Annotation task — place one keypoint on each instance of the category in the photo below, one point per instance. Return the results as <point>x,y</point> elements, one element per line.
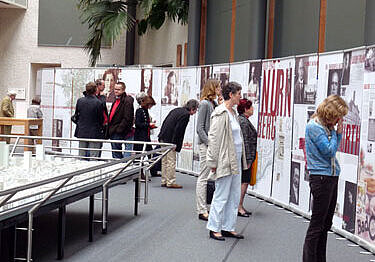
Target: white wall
<point>19,48</point>
<point>159,47</point>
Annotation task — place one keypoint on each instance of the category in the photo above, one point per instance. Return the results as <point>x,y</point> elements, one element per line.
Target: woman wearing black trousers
<point>245,110</point>
<point>143,123</point>
<point>322,142</point>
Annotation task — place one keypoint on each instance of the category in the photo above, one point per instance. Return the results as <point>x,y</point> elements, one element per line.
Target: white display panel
<point>187,90</point>
<point>266,130</point>
<point>155,111</point>
<point>305,102</point>
<point>282,108</point>
<point>365,207</point>
<point>47,101</point>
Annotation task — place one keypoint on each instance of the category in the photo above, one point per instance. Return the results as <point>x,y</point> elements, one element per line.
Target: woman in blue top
<point>322,142</point>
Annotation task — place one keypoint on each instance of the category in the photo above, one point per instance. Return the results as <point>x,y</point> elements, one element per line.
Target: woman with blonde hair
<point>206,107</point>
<point>322,141</point>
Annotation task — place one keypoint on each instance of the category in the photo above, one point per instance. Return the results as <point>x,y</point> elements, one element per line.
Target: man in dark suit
<point>89,115</point>
<point>299,85</point>
<point>121,118</point>
<point>173,131</point>
<point>345,75</point>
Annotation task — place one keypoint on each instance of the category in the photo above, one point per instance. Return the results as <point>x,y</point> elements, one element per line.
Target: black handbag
<point>157,167</point>
<point>75,118</point>
<point>210,191</point>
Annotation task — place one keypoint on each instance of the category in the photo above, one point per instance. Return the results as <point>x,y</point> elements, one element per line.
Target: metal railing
<point>114,169</point>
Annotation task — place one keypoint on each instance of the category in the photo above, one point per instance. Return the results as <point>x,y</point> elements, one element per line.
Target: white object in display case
<point>27,160</point>
<point>2,144</point>
<point>50,158</point>
<point>4,155</point>
<point>40,155</point>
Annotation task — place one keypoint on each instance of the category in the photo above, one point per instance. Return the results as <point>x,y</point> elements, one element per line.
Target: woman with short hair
<point>245,110</point>
<point>224,155</point>
<point>322,141</point>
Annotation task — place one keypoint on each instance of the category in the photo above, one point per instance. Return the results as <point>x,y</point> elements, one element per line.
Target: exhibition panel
<point>285,93</point>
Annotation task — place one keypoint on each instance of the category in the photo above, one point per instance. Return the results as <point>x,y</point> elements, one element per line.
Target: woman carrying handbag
<point>245,110</point>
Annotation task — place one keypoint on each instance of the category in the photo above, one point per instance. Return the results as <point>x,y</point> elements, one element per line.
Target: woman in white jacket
<point>224,155</point>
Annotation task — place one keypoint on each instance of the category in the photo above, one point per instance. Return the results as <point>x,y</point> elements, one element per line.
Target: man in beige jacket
<point>7,110</point>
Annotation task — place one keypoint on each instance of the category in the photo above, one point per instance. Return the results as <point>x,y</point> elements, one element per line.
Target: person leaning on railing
<point>173,131</point>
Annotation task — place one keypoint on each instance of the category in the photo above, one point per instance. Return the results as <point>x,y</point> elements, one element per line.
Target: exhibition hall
<point>201,130</point>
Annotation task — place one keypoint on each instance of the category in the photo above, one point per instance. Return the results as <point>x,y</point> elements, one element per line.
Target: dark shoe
<point>243,214</point>
<point>230,234</point>
<point>215,237</point>
<point>163,185</point>
<point>203,217</point>
<point>174,186</point>
<point>248,212</point>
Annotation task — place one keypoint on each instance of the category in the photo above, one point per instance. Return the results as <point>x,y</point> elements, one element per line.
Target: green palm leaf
<point>108,19</point>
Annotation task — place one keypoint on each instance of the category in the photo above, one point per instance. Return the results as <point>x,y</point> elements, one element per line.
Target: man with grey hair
<point>7,110</point>
<point>173,131</point>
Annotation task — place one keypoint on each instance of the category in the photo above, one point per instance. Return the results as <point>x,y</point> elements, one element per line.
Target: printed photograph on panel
<point>221,74</point>
<point>365,199</point>
<point>185,92</point>
<point>205,75</point>
<point>146,81</point>
<point>300,82</point>
<point>255,71</point>
<point>57,131</point>
<point>110,78</point>
<point>371,130</point>
<point>304,85</point>
<point>345,75</point>
<point>334,84</point>
<point>350,199</point>
<point>353,117</point>
<point>370,59</point>
<point>170,90</point>
<point>294,183</point>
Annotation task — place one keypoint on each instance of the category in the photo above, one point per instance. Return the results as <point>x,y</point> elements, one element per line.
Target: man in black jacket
<point>89,115</point>
<point>102,98</point>
<point>173,131</point>
<point>121,119</point>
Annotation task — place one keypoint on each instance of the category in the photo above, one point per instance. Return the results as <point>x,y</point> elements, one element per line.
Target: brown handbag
<point>253,173</point>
